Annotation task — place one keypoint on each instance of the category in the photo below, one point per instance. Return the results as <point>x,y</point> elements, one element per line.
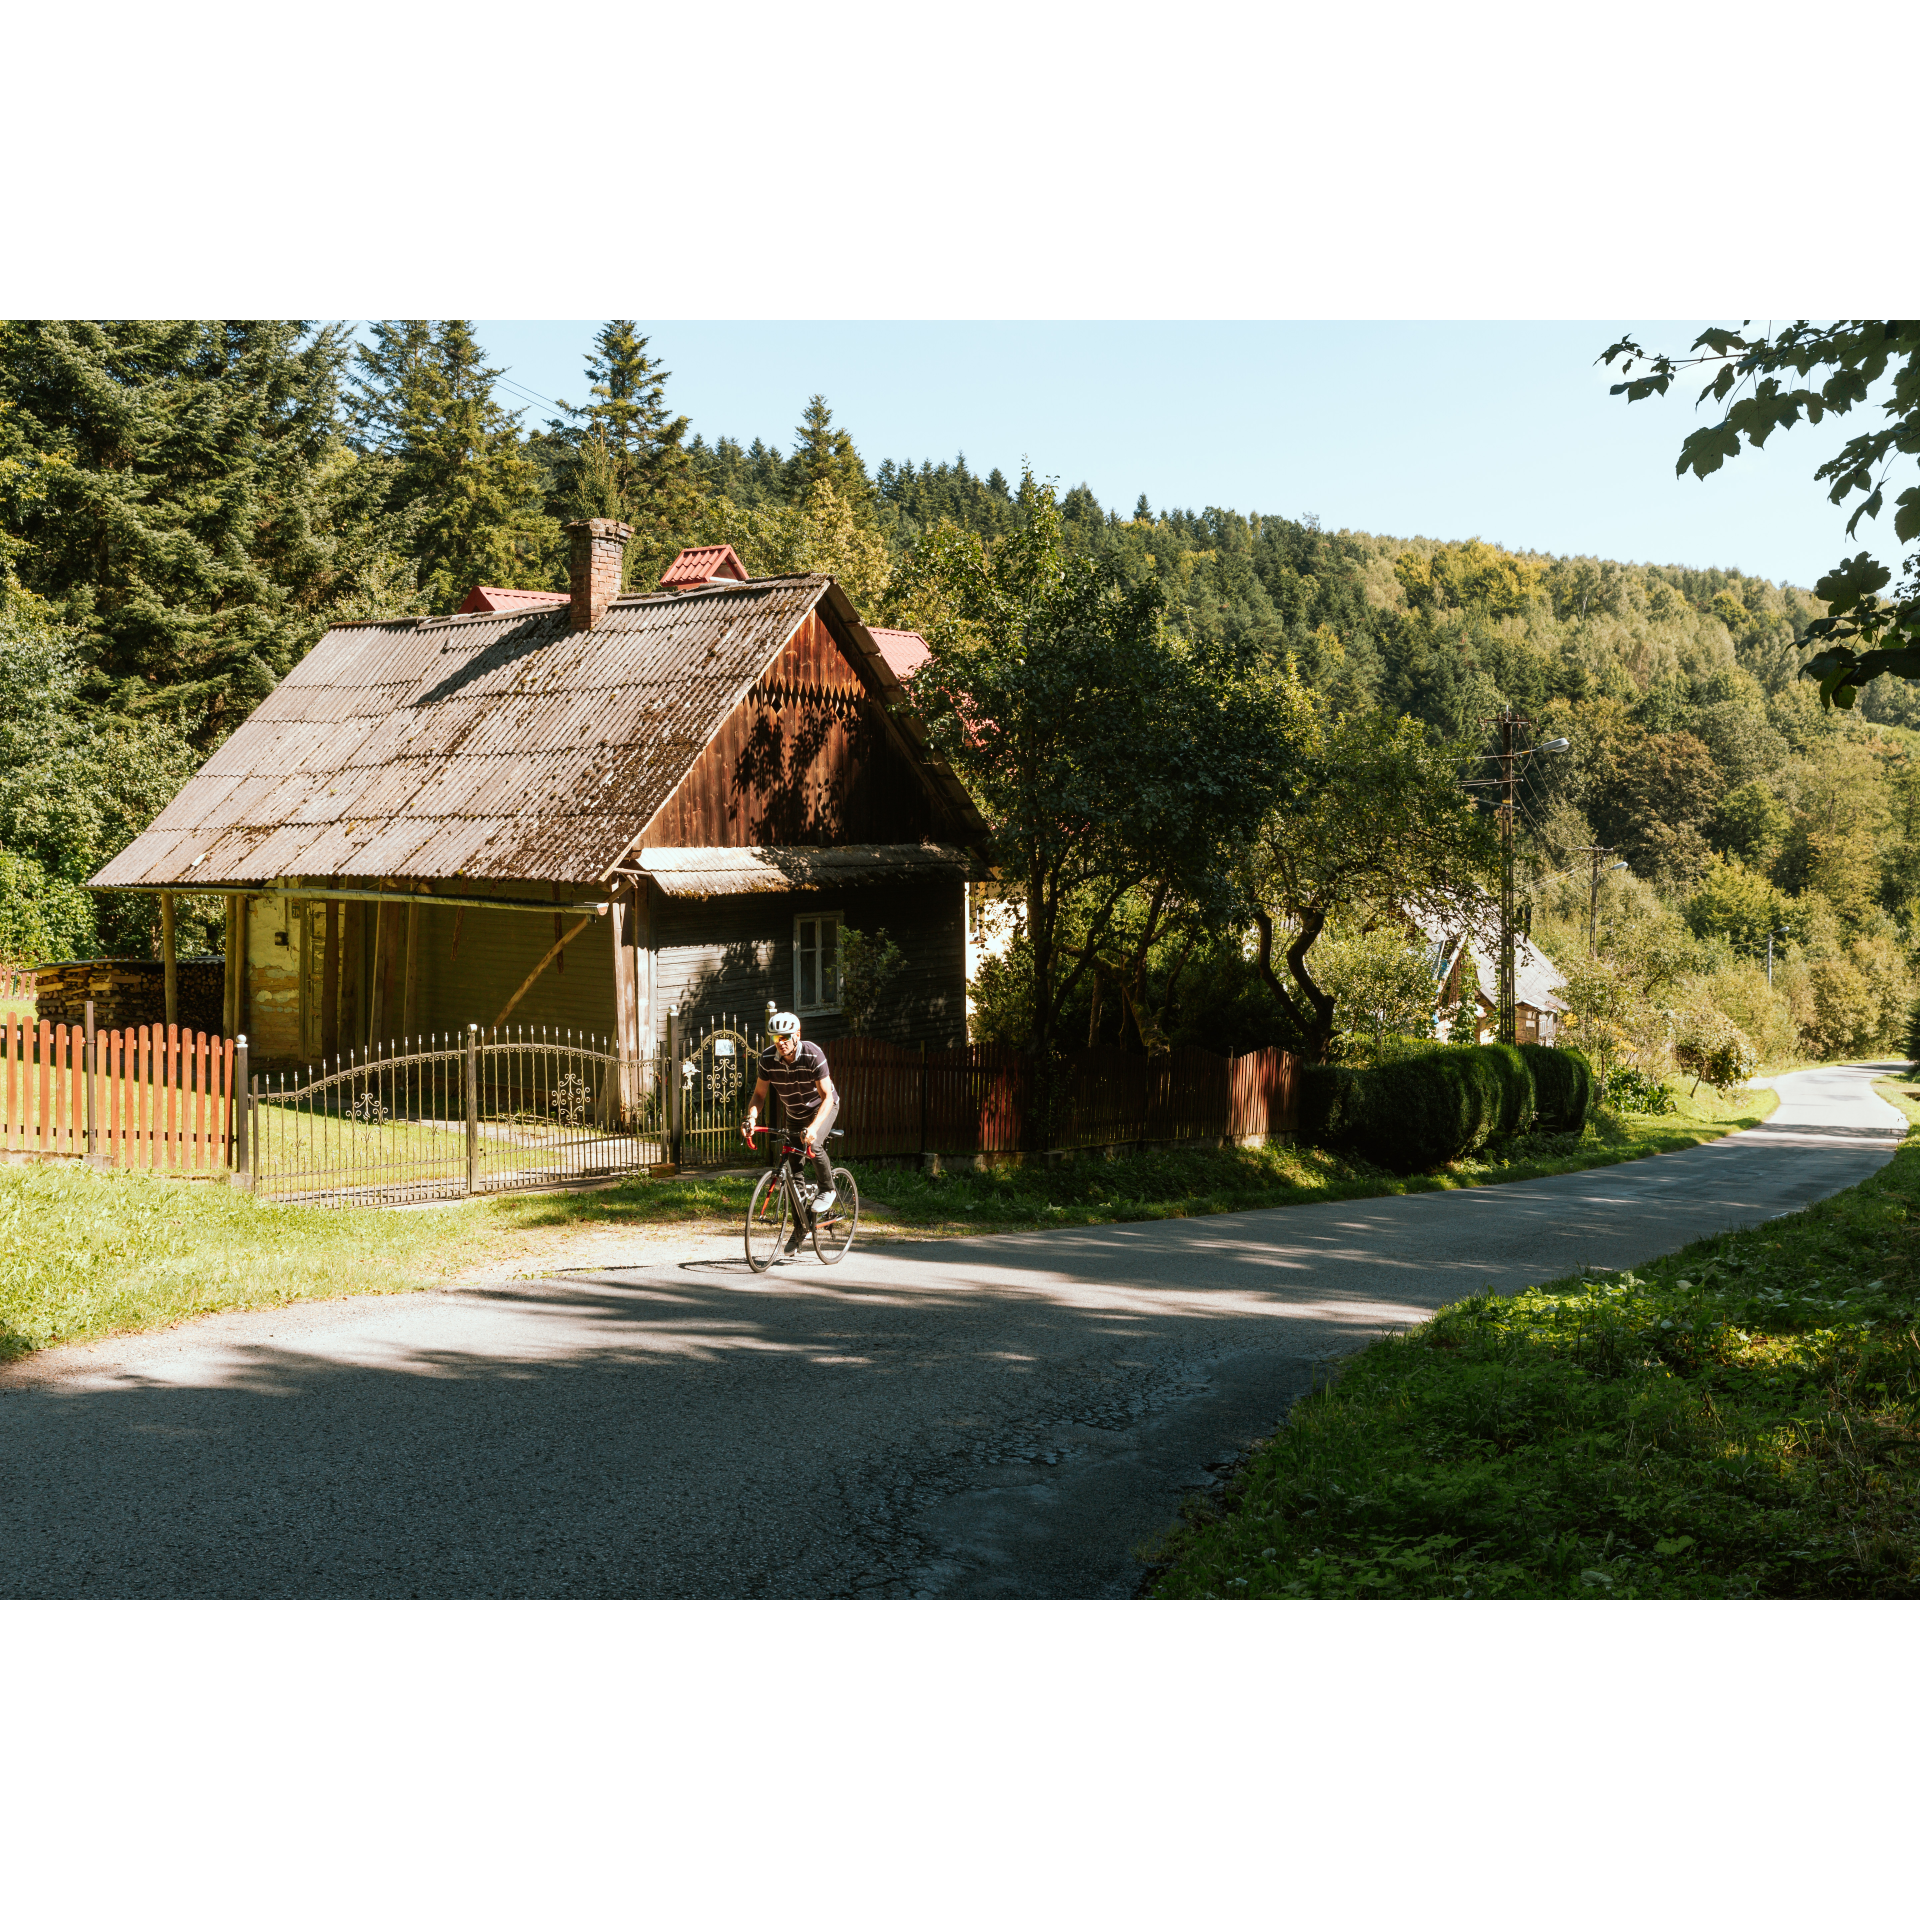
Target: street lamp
<point>1593,896</point>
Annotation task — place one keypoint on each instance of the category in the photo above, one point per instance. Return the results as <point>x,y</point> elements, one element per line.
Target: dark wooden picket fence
<point>901,1100</point>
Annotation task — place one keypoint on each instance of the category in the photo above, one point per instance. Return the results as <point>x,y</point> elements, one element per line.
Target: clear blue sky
<point>1500,429</point>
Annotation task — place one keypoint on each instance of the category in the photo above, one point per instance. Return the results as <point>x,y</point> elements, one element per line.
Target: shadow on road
<point>1002,1415</point>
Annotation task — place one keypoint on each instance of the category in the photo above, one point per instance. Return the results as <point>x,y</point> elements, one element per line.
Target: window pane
<point>829,962</point>
<point>807,932</point>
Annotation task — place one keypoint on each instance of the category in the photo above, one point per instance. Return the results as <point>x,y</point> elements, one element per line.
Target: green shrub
<point>1419,1112</point>
<point>1711,1048</point>
<point>1911,1043</point>
<point>1562,1087</point>
<point>1631,1090</point>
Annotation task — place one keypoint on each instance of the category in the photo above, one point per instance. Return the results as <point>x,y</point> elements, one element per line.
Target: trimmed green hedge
<point>1434,1107</point>
<point>1562,1087</point>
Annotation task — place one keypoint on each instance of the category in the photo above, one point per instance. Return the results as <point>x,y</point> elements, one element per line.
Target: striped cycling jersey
<point>796,1080</point>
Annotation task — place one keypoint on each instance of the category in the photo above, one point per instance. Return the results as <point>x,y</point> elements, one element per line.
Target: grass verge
<point>1740,1419</point>
<point>87,1254</point>
<point>1178,1185</point>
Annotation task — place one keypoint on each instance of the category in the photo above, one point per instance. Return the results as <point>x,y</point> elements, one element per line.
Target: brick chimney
<point>594,552</point>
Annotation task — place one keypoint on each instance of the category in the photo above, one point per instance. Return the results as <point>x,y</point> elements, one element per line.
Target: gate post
<point>472,1103</point>
<point>241,1114</point>
<point>92,1071</point>
<point>676,1048</point>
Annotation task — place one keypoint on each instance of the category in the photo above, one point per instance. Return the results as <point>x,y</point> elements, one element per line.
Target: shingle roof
<point>488,746</point>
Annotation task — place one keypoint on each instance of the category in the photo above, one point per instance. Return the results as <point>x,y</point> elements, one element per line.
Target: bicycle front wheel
<point>766,1220</point>
<point>833,1232</point>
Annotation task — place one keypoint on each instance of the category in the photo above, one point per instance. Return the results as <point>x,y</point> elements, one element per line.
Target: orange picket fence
<point>155,1098</point>
<point>16,983</point>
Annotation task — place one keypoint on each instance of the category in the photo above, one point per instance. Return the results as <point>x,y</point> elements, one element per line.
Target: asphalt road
<point>1002,1416</point>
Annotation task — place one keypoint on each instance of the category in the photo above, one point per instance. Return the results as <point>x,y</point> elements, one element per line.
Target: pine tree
<point>460,470</point>
<point>823,451</point>
<point>177,493</point>
<point>627,459</point>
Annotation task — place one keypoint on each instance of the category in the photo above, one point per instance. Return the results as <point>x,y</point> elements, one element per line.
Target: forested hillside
<point>184,507</point>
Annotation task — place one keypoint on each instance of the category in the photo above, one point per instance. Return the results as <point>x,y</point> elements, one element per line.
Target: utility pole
<point>1503,1029</point>
<point>1596,854</point>
<point>1511,725</point>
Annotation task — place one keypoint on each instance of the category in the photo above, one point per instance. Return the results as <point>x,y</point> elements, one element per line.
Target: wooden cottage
<point>577,811</point>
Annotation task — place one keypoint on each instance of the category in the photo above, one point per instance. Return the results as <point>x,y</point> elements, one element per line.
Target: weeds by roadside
<point>1739,1419</point>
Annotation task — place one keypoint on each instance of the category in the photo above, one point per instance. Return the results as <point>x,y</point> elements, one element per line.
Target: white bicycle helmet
<point>783,1023</point>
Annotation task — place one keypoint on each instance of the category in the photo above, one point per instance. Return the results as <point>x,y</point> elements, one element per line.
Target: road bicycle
<point>782,1206</point>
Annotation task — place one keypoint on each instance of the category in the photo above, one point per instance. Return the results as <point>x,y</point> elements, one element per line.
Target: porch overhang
<point>702,872</point>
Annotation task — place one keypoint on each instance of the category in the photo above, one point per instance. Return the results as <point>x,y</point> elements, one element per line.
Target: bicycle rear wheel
<point>833,1234</point>
<point>766,1221</point>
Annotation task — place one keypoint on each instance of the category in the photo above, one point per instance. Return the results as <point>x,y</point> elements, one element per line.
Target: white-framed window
<point>816,963</point>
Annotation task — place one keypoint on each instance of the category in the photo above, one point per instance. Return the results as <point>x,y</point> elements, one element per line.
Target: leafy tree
<point>1374,828</point>
<point>1737,904</point>
<point>1382,990</point>
<point>1760,380</point>
<point>1709,1046</point>
<point>1105,753</point>
<point>1750,820</point>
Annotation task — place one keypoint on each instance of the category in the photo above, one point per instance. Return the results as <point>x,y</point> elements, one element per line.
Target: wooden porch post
<point>240,996</point>
<point>410,993</point>
<point>353,959</point>
<point>640,945</point>
<point>330,983</point>
<point>170,970</point>
<point>230,994</point>
<point>376,998</point>
<point>624,1036</point>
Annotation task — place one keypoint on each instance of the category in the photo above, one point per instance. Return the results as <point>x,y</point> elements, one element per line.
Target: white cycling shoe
<point>823,1204</point>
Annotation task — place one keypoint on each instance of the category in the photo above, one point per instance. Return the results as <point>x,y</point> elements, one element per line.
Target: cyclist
<point>807,1097</point>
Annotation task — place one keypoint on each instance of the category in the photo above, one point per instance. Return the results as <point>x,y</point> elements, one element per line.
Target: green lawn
<point>84,1254</point>
<point>1739,1419</point>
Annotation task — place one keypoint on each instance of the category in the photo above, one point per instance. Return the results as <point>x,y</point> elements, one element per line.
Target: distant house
<point>578,810</point>
<point>1463,964</point>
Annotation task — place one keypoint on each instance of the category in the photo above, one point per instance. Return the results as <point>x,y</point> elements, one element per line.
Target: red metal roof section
<point>508,600</point>
<point>903,649</point>
<point>695,566</point>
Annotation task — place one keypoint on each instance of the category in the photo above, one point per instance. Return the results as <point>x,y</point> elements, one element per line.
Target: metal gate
<point>717,1066</point>
<point>479,1112</point>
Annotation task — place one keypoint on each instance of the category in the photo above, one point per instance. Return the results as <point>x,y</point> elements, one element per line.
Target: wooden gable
<point>808,758</point>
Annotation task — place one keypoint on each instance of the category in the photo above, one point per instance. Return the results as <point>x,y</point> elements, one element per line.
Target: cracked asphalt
<point>1004,1416</point>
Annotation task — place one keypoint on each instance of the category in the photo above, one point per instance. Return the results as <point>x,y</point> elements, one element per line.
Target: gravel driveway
<point>1002,1416</point>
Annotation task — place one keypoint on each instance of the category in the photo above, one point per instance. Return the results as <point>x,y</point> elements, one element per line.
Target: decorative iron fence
<point>481,1112</point>
<point>492,1110</point>
<point>717,1064</point>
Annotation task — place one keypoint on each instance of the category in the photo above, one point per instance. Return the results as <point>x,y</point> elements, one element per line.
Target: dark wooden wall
<point>806,759</point>
<point>733,954</point>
